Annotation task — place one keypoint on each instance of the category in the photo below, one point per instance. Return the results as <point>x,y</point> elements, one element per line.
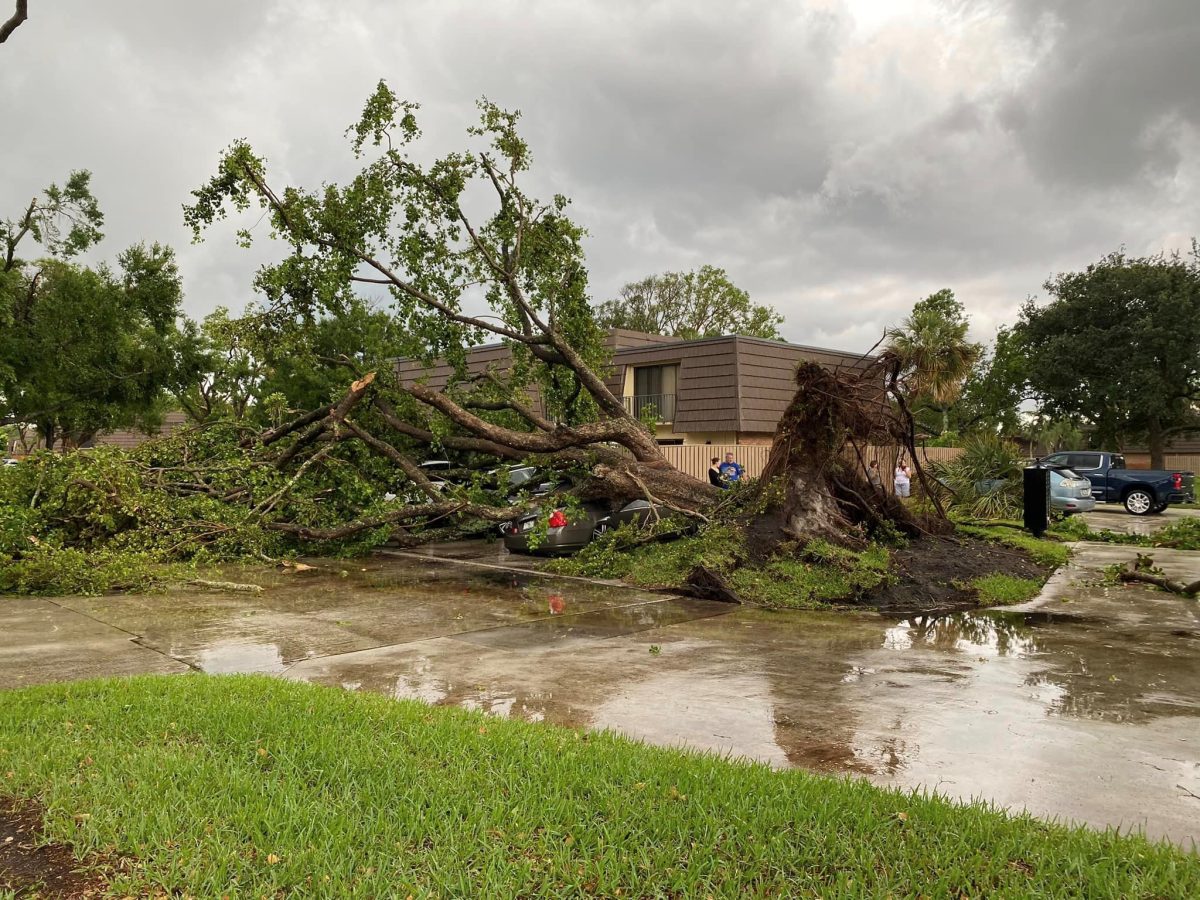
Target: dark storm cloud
<point>841,158</point>
<point>1116,86</point>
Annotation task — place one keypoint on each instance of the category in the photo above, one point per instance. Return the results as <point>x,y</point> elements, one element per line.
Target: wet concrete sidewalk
<point>1113,517</point>
<point>1084,704</point>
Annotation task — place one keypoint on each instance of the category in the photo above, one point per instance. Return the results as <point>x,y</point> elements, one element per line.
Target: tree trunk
<point>620,481</point>
<point>1157,440</point>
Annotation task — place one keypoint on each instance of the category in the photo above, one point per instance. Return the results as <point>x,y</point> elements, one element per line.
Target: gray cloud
<point>841,158</point>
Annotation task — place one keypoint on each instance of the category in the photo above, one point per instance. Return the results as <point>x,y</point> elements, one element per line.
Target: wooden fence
<point>695,458</point>
<point>1180,462</point>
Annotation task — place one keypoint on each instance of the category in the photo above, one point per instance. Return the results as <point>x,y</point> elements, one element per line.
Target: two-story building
<point>721,390</point>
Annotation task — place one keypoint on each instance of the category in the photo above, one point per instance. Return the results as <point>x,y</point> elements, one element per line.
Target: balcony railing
<point>660,407</point>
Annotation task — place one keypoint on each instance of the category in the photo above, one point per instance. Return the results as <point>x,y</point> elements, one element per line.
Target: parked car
<point>565,535</point>
<point>1141,491</point>
<point>9,462</point>
<point>1070,492</point>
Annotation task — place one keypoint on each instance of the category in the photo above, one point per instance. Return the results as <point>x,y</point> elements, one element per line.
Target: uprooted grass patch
<point>932,573</point>
<point>817,576</point>
<point>1002,590</point>
<point>251,786</point>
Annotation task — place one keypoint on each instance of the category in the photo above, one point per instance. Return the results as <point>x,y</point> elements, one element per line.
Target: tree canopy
<point>414,232</point>
<point>696,304</point>
<point>82,348</point>
<point>1117,348</point>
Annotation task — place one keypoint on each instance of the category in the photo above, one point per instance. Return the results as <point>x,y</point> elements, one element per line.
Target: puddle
<point>564,630</point>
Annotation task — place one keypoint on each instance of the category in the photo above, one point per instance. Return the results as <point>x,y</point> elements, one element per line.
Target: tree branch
<point>21,14</point>
<point>335,416</point>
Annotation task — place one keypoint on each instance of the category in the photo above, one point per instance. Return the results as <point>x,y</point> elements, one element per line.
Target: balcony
<point>660,407</point>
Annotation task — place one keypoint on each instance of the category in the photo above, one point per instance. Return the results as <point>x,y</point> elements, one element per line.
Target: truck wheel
<point>1138,502</point>
<point>1159,508</point>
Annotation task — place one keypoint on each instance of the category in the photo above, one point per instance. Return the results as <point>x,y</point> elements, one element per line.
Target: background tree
<point>1118,348</point>
<point>992,394</point>
<point>216,374</point>
<point>701,303</point>
<point>936,358</point>
<point>1052,435</point>
<point>90,349</point>
<point>81,349</point>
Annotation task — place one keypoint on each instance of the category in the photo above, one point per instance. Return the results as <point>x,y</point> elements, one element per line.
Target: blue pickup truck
<point>1142,491</point>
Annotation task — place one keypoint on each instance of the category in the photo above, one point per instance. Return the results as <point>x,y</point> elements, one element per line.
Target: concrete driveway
<point>1113,517</point>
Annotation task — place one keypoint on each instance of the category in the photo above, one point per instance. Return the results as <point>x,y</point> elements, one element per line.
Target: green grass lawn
<point>251,786</point>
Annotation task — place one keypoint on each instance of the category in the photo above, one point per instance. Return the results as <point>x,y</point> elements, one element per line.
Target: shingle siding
<point>766,371</point>
<point>725,384</point>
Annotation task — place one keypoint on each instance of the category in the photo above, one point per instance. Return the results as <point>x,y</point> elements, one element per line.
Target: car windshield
<point>518,477</point>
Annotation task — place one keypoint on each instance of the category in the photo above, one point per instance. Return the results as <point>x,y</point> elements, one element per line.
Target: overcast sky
<point>840,158</point>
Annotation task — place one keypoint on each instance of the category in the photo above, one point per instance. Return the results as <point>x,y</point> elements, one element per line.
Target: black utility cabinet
<point>1037,500</point>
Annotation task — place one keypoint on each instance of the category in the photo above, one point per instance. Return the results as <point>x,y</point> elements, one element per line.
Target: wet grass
<point>249,786</point>
<point>1003,590</point>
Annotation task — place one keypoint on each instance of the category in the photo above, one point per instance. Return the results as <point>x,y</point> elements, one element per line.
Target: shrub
<point>985,480</point>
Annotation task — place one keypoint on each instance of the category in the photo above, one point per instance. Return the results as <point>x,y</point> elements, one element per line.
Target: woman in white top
<point>902,480</point>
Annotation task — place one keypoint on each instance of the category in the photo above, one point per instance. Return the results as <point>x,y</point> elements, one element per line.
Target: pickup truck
<point>1142,491</point>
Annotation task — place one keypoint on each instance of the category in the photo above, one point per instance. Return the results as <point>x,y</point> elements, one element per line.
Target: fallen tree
<point>405,229</point>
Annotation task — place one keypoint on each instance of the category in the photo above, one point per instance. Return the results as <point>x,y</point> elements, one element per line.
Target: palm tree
<point>934,352</point>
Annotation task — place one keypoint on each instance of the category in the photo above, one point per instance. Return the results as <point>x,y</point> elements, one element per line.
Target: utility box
<point>1037,500</point>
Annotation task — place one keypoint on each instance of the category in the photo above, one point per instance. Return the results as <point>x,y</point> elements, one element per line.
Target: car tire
<point>599,531</point>
<point>1139,502</point>
<point>1159,509</point>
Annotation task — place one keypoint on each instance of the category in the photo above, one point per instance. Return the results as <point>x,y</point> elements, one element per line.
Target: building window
<point>654,392</point>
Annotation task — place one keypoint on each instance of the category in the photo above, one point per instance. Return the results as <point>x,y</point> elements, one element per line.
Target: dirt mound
<point>932,574</point>
<point>30,868</point>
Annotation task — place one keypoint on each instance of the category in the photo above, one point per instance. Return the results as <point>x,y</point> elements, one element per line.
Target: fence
<point>695,458</point>
<point>1180,462</point>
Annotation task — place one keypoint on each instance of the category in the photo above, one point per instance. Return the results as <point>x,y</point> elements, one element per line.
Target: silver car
<point>566,534</point>
<point>1070,493</point>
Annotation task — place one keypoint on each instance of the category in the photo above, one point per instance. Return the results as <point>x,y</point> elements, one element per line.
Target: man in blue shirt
<point>730,471</point>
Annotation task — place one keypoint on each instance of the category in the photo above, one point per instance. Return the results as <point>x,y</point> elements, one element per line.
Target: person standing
<point>730,470</point>
<point>873,475</point>
<point>903,482</point>
<point>714,473</point>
